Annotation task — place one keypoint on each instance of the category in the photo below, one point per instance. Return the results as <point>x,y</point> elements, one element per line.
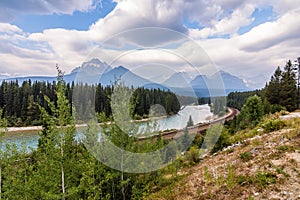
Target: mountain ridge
<point>95,71</point>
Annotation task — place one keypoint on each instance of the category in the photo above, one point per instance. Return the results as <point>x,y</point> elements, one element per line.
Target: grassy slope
<point>263,166</point>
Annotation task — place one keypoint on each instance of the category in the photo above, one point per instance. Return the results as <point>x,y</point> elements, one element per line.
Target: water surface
<point>199,114</point>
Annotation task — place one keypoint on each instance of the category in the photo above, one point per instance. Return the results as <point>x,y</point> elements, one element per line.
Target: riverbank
<point>30,129</point>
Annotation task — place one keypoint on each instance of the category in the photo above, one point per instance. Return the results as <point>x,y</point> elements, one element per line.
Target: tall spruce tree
<point>252,112</point>
<point>288,96</point>
<point>56,150</point>
<point>274,88</point>
<point>282,88</point>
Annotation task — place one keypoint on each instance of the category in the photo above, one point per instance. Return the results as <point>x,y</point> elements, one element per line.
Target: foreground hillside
<point>263,164</point>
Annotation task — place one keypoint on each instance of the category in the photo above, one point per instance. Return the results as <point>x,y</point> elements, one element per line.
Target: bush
<point>246,156</point>
<point>273,125</point>
<point>223,141</point>
<point>194,154</point>
<point>252,112</point>
<point>244,180</point>
<point>276,108</point>
<point>265,178</point>
<point>198,141</point>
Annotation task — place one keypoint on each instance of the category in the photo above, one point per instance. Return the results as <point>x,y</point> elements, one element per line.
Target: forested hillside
<point>20,103</point>
<point>280,92</point>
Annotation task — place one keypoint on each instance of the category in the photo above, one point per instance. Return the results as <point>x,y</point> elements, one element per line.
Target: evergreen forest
<point>20,103</point>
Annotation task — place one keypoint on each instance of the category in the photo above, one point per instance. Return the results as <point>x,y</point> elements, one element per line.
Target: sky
<point>248,39</point>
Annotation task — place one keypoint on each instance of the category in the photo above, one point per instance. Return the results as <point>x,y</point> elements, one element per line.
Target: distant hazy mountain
<point>32,78</point>
<point>94,66</point>
<point>260,80</point>
<point>124,75</point>
<point>199,81</point>
<point>3,77</point>
<point>95,71</point>
<point>89,72</point>
<point>128,78</point>
<point>179,79</point>
<point>230,81</point>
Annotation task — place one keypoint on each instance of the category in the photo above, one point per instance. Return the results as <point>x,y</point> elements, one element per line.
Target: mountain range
<point>95,71</point>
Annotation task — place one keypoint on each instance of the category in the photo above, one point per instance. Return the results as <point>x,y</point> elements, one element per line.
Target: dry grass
<point>265,166</point>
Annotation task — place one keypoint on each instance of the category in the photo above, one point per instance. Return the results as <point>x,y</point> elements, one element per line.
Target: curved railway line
<point>195,130</point>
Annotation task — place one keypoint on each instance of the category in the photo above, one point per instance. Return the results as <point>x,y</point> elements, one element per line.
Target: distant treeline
<point>279,93</point>
<point>238,99</point>
<point>20,103</point>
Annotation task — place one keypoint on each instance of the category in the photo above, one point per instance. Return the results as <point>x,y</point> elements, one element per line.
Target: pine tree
<point>274,88</point>
<point>288,95</point>
<point>123,128</point>
<point>186,139</point>
<point>219,106</point>
<point>252,112</point>
<point>282,88</point>
<point>56,148</point>
<point>190,122</point>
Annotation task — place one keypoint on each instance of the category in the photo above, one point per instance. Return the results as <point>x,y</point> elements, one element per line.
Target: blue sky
<point>83,20</point>
<point>246,38</point>
<point>77,20</point>
<point>260,16</point>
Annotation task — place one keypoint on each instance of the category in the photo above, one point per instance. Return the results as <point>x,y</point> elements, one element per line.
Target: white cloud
<point>228,25</point>
<point>256,54</point>
<point>251,56</point>
<point>22,55</point>
<point>284,6</point>
<point>6,28</point>
<point>11,8</point>
<point>130,14</point>
<point>272,33</point>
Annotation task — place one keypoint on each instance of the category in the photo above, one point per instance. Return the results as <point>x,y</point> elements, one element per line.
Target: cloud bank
<point>253,55</point>
<point>11,8</point>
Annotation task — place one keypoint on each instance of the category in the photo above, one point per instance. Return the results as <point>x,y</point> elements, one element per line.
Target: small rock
<point>294,156</point>
<point>277,162</point>
<point>280,176</point>
<point>274,196</point>
<point>254,150</point>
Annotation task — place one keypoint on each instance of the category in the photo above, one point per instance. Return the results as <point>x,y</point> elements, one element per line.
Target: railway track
<point>194,130</point>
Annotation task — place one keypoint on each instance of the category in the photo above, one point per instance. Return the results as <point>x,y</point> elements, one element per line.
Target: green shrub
<point>194,154</point>
<point>285,148</point>
<point>276,108</point>
<point>246,156</point>
<point>265,178</point>
<point>207,175</point>
<point>244,180</point>
<point>280,170</point>
<point>231,177</point>
<point>273,125</point>
<point>223,141</point>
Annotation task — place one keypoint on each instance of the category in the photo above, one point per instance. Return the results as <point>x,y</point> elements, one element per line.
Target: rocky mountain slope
<point>263,164</point>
